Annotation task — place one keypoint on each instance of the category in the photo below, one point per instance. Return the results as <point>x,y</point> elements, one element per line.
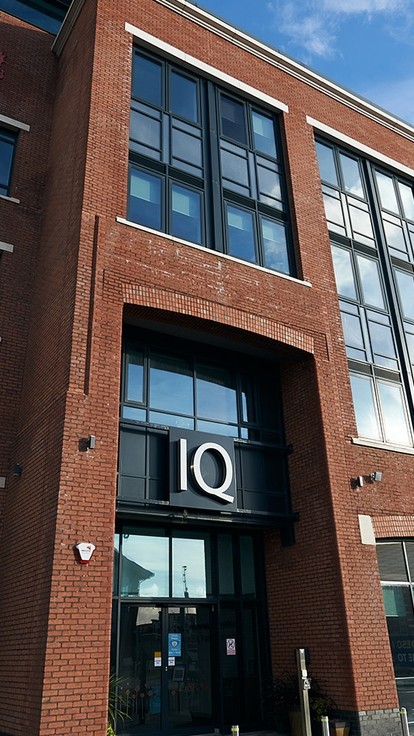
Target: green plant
<point>283,697</point>
<point>116,704</point>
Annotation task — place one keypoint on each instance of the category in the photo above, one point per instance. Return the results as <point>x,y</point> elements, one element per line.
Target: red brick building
<point>201,358</point>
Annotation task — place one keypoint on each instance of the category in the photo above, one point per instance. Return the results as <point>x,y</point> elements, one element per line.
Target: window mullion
<point>215,221</point>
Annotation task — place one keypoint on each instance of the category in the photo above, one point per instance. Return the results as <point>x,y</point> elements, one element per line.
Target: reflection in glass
<point>395,235</point>
<point>233,124</point>
<point>370,282</point>
<point>7,143</point>
<point>216,393</point>
<point>147,130</point>
<point>361,223</point>
<point>387,192</point>
<point>351,324</point>
<point>171,384</point>
<point>406,289</point>
<point>225,430</point>
<point>189,577</point>
<point>382,344</point>
<point>326,163</point>
<point>395,422</point>
<point>170,420</point>
<point>235,170</point>
<point>264,134</point>
<point>144,566</point>
<point>274,245</point>
<point>240,233</point>
<point>186,150</point>
<point>351,175</point>
<point>183,97</point>
<point>147,79</point>
<point>407,197</point>
<point>135,376</point>
<point>333,211</point>
<point>365,408</point>
<point>343,272</point>
<point>248,399</point>
<point>269,185</point>
<point>144,205</point>
<point>186,213</point>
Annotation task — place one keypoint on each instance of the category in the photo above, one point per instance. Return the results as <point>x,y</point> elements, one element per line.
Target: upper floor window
<point>7,146</point>
<point>370,216</point>
<point>205,166</point>
<point>45,14</point>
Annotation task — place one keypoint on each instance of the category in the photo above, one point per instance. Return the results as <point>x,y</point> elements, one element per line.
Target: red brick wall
<point>324,591</point>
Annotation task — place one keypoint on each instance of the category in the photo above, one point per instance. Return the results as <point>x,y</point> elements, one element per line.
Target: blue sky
<point>366,46</point>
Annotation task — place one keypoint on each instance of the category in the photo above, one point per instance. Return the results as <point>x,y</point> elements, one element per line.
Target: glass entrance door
<point>165,668</point>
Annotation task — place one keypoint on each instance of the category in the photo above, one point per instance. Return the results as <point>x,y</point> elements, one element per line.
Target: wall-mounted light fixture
<point>374,477</point>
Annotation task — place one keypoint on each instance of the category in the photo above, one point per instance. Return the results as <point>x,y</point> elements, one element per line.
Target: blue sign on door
<point>174,645</point>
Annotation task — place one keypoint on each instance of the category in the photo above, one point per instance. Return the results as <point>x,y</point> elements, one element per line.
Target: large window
<point>370,216</point>
<point>172,383</point>
<point>205,166</point>
<point>7,146</point>
<point>396,565</point>
<point>45,14</point>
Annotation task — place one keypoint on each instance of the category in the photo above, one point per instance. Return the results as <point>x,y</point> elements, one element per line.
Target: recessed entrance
<point>188,630</point>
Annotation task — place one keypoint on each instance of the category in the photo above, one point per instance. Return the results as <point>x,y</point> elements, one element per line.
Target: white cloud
<point>313,25</point>
<point>397,97</point>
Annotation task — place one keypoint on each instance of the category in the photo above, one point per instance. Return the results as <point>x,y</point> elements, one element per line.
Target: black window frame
<point>371,366</point>
<point>204,173</point>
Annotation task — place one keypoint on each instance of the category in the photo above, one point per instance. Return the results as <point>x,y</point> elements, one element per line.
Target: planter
<point>339,728</point>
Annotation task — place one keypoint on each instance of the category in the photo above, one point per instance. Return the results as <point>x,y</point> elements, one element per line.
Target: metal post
<point>304,686</point>
<point>404,722</point>
<point>325,725</point>
<point>234,731</point>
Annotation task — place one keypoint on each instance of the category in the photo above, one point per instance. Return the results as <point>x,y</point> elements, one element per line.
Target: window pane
<point>135,376</point>
<point>395,422</point>
<point>171,420</point>
<point>387,192</point>
<point>344,275</point>
<point>240,233</point>
<point>225,564</point>
<point>264,134</point>
<point>407,197</point>
<point>7,142</point>
<point>189,578</point>
<point>370,282</point>
<point>409,548</point>
<point>235,170</point>
<point>275,253</point>
<point>144,204</point>
<point>146,130</point>
<point>351,175</point>
<point>248,577</point>
<point>382,344</point>
<point>147,80</point>
<point>248,400</point>
<point>400,621</point>
<point>365,409</point>
<point>361,223</point>
<point>186,149</point>
<point>351,325</point>
<point>333,211</point>
<point>186,213</point>
<point>144,571</point>
<point>326,163</point>
<point>233,124</point>
<point>395,236</point>
<point>216,393</point>
<point>406,289</point>
<point>391,562</point>
<point>171,384</point>
<point>183,94</point>
<point>269,186</point>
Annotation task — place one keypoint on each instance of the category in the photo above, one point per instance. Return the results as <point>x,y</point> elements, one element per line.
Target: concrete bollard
<point>325,725</point>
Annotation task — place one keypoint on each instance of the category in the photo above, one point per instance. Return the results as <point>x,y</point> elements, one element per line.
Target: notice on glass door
<point>230,646</point>
<point>174,645</point>
<point>157,659</point>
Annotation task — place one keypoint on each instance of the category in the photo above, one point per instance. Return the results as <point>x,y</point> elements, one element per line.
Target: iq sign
<point>202,470</point>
